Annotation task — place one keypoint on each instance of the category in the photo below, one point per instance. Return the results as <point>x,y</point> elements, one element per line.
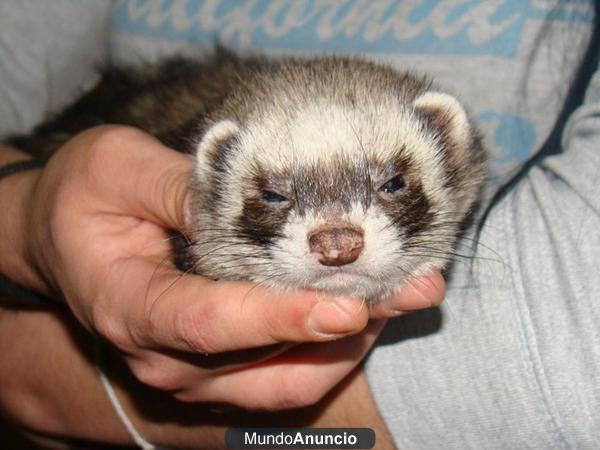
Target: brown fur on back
<point>164,99</point>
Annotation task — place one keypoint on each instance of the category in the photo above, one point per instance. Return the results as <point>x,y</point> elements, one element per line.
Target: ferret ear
<point>216,144</point>
<point>447,116</point>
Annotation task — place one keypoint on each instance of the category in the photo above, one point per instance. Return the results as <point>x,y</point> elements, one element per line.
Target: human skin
<point>90,230</point>
<point>63,397</point>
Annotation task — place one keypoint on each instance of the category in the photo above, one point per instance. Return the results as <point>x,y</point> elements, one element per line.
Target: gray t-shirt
<point>49,54</point>
<point>511,359</point>
<point>510,61</point>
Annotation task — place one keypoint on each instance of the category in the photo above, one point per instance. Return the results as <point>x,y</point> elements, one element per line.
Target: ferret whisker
<point>423,282</point>
<point>148,287</point>
<point>465,238</point>
<point>212,242</point>
<point>170,286</point>
<point>261,283</point>
<point>240,255</point>
<point>456,257</point>
<point>169,237</point>
<point>215,251</point>
<point>232,265</point>
<point>438,253</point>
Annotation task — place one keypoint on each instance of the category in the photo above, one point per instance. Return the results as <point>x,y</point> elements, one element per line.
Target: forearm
<point>15,197</point>
<point>47,382</point>
<point>63,396</point>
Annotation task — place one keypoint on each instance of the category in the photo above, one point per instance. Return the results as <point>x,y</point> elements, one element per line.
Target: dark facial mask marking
<point>408,207</point>
<point>261,220</point>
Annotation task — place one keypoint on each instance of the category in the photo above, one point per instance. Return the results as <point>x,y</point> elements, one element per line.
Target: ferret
<point>329,173</point>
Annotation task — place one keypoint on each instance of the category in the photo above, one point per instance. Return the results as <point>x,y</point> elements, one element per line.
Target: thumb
<point>166,202</point>
<point>145,178</point>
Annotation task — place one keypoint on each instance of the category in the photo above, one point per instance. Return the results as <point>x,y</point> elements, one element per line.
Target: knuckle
<point>109,135</point>
<point>195,334</point>
<point>104,141</point>
<point>187,396</point>
<point>142,333</point>
<point>58,220</point>
<point>286,322</point>
<point>294,392</point>
<point>171,190</point>
<point>107,327</point>
<point>154,377</point>
<point>272,325</point>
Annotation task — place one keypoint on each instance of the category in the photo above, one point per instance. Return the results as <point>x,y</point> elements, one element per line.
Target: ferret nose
<point>336,245</point>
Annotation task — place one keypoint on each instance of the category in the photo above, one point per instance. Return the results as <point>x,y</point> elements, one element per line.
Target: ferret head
<point>349,184</point>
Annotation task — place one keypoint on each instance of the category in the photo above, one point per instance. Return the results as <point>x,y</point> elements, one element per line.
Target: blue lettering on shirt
<point>457,27</point>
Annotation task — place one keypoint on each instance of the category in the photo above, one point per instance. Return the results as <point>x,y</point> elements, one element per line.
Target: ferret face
<point>350,200</point>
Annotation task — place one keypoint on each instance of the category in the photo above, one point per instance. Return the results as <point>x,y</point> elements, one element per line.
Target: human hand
<point>98,216</point>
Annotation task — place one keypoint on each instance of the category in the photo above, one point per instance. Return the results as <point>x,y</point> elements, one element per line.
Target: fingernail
<point>335,318</point>
<point>393,312</point>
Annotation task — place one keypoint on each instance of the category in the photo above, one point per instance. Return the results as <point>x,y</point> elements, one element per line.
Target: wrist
<point>16,193</point>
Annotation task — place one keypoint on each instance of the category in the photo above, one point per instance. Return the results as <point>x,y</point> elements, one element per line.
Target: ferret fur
<point>287,147</point>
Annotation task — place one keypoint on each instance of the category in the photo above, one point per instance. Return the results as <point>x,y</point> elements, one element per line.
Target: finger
<point>140,176</point>
<point>300,377</point>
<point>193,313</point>
<point>417,293</point>
<point>178,372</point>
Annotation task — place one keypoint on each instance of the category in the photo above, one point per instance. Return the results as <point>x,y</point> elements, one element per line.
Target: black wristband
<point>20,166</point>
<point>17,294</point>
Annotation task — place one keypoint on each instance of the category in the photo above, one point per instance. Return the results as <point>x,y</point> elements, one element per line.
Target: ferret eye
<point>273,197</point>
<point>393,185</point>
